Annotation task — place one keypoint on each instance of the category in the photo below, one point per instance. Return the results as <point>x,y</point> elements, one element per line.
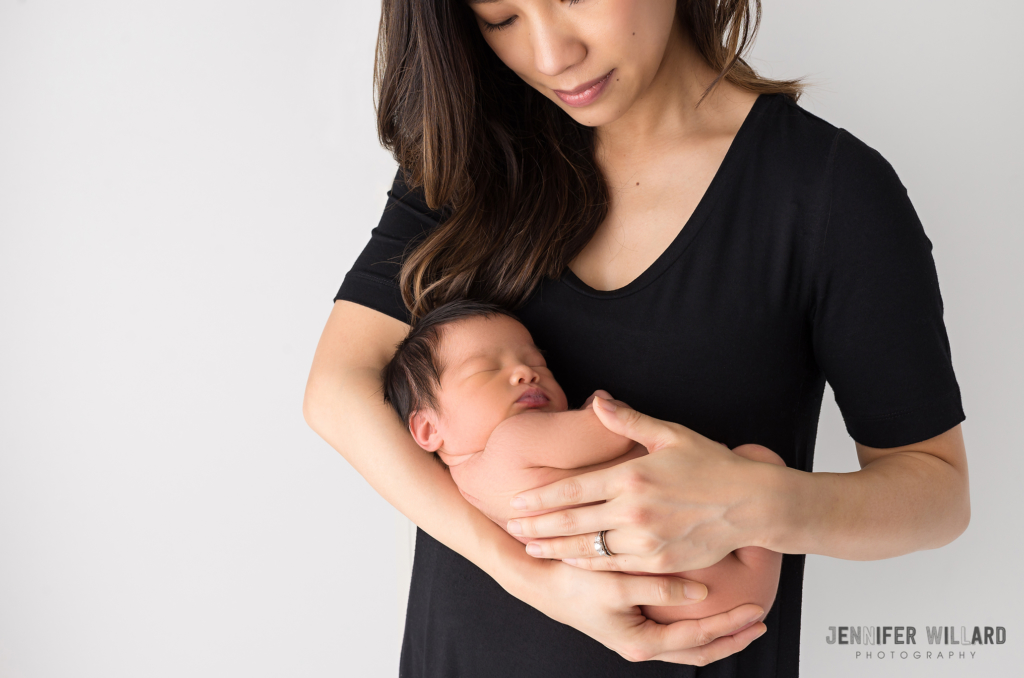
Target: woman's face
<point>563,44</point>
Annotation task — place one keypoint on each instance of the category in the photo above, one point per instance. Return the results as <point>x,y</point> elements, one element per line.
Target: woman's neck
<point>666,116</point>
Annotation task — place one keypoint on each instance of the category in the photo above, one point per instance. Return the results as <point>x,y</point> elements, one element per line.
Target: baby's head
<point>464,368</point>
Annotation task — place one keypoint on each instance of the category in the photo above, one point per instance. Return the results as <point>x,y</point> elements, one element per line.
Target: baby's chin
<point>551,406</point>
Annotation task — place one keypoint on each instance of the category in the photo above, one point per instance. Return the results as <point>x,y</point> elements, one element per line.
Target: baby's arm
<point>565,440</point>
<point>747,575</point>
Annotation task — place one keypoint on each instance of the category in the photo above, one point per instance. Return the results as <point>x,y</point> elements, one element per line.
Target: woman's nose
<point>556,47</point>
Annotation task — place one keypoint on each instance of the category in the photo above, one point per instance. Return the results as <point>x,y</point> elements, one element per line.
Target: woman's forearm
<point>899,503</point>
<point>349,414</point>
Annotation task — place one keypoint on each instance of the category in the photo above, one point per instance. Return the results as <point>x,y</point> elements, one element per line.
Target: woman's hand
<point>599,392</point>
<point>605,606</point>
<point>682,507</point>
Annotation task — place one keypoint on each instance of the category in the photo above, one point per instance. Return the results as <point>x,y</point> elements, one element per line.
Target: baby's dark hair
<point>413,375</point>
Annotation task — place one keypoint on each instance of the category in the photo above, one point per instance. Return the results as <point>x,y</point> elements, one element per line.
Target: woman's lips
<point>587,93</point>
<point>534,397</point>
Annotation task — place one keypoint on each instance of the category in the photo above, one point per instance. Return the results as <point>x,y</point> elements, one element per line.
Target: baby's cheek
<point>477,429</point>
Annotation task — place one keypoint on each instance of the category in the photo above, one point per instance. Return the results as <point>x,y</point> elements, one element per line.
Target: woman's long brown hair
<point>514,175</point>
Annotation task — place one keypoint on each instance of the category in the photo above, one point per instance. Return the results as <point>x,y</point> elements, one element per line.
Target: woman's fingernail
<point>763,631</point>
<point>518,503</point>
<point>755,617</point>
<point>533,549</point>
<point>514,527</point>
<point>695,591</point>
<point>570,561</point>
<point>604,404</point>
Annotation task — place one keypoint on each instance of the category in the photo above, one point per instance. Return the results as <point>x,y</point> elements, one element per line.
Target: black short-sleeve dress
<point>803,262</point>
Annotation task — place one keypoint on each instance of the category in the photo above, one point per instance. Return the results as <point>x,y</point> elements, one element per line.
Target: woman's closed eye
<point>511,20</point>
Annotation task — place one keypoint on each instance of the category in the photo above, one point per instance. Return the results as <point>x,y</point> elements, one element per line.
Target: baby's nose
<point>524,373</point>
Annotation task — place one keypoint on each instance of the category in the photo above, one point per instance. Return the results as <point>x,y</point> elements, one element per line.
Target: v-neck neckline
<point>700,214</point>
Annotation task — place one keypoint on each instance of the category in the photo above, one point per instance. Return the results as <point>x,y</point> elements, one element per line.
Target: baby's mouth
<point>534,397</point>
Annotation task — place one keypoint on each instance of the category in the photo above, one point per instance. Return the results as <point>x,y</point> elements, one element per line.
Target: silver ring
<point>601,546</point>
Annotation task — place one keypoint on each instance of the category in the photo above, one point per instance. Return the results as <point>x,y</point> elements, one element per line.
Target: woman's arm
<point>343,405</point>
<point>691,501</point>
<point>904,499</point>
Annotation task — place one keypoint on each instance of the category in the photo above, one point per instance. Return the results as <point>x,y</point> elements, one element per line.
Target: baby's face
<point>492,371</point>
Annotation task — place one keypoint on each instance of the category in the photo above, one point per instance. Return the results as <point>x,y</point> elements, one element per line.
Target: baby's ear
<point>424,431</point>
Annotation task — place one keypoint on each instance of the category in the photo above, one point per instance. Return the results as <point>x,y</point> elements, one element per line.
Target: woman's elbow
<point>311,405</point>
<point>329,394</point>
<point>964,515</point>
<point>320,400</point>
<point>959,519</point>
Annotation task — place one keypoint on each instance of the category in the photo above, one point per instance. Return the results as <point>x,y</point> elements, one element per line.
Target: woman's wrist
<point>775,507</point>
<point>897,504</point>
<point>505,559</point>
<point>821,513</point>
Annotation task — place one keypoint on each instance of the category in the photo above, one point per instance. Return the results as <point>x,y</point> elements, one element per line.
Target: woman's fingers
<point>581,489</point>
<point>561,548</point>
<point>585,548</point>
<point>717,649</point>
<point>654,434</point>
<point>580,546</point>
<point>608,608</point>
<point>578,521</point>
<point>695,634</point>
<point>599,392</point>
<point>616,563</point>
<point>643,590</point>
<point>692,641</point>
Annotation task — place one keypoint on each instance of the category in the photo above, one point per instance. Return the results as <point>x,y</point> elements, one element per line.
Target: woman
<point>675,229</point>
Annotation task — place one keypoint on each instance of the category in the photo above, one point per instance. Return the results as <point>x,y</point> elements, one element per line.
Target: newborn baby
<point>475,390</point>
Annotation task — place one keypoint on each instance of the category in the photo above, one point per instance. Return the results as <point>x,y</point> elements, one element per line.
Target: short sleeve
<point>373,278</point>
<point>877,328</point>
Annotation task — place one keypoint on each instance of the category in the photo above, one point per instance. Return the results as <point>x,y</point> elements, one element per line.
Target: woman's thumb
<point>626,421</point>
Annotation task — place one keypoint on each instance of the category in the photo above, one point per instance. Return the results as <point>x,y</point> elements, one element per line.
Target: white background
<point>183,186</point>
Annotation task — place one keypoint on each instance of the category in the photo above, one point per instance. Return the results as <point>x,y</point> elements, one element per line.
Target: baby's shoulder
<point>529,432</point>
<point>524,426</point>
